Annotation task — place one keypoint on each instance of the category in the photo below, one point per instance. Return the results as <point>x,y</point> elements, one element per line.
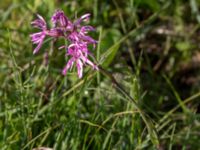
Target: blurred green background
<point>152,49</point>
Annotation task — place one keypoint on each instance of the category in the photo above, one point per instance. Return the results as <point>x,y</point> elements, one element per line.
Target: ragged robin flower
<point>73,32</point>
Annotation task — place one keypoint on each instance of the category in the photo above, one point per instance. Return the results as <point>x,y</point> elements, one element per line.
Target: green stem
<point>150,127</point>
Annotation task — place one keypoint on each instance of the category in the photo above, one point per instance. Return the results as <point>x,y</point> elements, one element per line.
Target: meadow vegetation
<point>147,96</point>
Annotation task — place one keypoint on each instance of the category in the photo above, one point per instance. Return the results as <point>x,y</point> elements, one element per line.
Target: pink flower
<point>78,55</point>
<point>38,38</point>
<point>73,32</point>
<point>59,17</point>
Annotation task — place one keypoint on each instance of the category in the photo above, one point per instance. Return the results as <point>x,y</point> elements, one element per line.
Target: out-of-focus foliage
<point>150,46</point>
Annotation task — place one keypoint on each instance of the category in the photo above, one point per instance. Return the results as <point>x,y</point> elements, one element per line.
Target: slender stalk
<point>150,127</point>
<point>119,87</point>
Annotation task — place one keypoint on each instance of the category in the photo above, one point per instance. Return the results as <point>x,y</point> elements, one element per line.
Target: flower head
<point>38,38</point>
<point>39,23</point>
<point>59,17</point>
<point>78,54</point>
<point>73,32</point>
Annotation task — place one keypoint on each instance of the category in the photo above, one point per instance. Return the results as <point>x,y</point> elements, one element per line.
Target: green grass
<point>147,96</point>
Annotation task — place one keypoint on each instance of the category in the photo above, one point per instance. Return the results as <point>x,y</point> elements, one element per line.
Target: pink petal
<point>79,66</point>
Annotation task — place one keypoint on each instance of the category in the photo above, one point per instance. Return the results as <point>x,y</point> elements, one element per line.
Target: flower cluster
<point>74,32</point>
